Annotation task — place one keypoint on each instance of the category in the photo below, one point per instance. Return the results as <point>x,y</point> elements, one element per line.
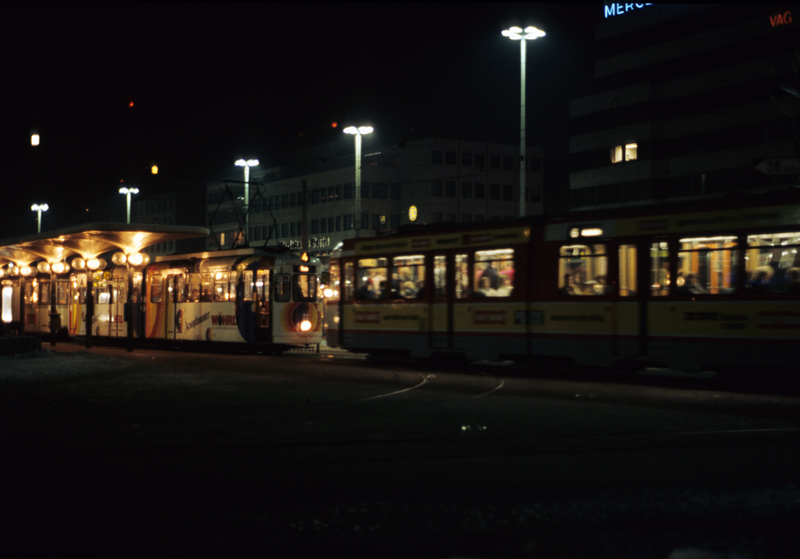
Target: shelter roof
<point>91,240</point>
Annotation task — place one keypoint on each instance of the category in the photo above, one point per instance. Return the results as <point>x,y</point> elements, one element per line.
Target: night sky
<point>212,82</point>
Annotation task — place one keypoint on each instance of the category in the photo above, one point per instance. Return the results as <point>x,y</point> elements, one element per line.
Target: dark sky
<point>212,82</point>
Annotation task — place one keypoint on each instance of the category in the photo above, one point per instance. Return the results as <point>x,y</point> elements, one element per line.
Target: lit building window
<point>628,152</point>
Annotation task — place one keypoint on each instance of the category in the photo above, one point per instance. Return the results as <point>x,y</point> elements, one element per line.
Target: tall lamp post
<point>39,208</point>
<point>247,164</point>
<point>522,35</point>
<point>128,192</point>
<point>358,132</point>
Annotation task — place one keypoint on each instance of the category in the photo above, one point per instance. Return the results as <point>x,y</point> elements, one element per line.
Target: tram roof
<point>91,240</point>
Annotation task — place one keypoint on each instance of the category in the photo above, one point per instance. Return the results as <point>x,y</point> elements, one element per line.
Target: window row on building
<point>469,159</point>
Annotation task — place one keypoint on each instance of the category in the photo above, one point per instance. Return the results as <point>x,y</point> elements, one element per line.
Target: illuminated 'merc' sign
<point>618,9</point>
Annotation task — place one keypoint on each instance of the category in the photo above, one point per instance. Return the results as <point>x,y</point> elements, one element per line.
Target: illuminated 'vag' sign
<point>780,19</point>
<point>617,8</point>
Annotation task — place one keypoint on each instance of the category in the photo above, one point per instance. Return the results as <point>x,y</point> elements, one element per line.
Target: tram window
<point>207,289</point>
<point>283,291</point>
<point>348,281</point>
<point>43,289</point>
<point>439,277</point>
<point>462,276</point>
<point>181,281</point>
<point>408,277</point>
<point>772,263</point>
<point>332,289</point>
<point>32,292</point>
<point>195,287</point>
<point>104,294</point>
<point>627,270</point>
<point>232,279</point>
<point>583,270</point>
<point>247,284</point>
<point>221,286</point>
<point>494,273</point>
<point>262,287</point>
<point>706,265</point>
<point>659,269</point>
<point>62,292</point>
<point>155,288</point>
<point>304,287</point>
<point>370,274</point>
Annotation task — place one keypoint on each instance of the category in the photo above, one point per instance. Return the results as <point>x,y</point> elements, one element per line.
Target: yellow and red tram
<point>716,288</point>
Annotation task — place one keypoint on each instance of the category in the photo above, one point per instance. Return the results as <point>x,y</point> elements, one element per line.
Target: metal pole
<point>131,310</point>
<point>522,163</point>
<point>128,196</point>
<point>304,214</point>
<point>247,201</point>
<point>53,314</point>
<point>89,303</point>
<point>357,217</point>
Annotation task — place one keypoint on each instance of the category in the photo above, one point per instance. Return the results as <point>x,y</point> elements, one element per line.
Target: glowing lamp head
<point>35,139</point>
<point>60,268</point>
<point>305,325</point>
<point>137,259</point>
<point>43,267</point>
<point>119,258</point>
<point>78,263</point>
<point>361,130</point>
<point>95,264</point>
<point>27,271</point>
<point>517,33</point>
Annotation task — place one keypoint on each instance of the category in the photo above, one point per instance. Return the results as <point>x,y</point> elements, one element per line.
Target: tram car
<point>268,297</point>
<point>717,288</point>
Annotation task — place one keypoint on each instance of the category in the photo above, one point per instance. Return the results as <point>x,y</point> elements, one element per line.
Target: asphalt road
<point>173,453</point>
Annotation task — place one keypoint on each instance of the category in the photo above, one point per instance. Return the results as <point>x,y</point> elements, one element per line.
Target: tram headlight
<point>305,325</point>
<point>328,293</point>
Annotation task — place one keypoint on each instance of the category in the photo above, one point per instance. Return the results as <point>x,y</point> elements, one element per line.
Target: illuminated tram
<point>264,297</point>
<point>717,289</point>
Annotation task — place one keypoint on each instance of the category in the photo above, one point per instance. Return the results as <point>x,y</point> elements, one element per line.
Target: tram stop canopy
<point>83,244</point>
<point>91,240</point>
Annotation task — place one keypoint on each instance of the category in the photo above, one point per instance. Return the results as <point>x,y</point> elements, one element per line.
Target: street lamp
<point>127,192</point>
<point>358,132</point>
<point>39,208</point>
<point>247,164</point>
<point>522,35</point>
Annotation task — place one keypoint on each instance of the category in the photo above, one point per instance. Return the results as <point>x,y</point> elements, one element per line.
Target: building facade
<point>425,181</point>
<point>689,101</point>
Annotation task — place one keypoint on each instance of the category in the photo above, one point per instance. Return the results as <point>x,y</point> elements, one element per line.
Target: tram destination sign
<point>779,166</point>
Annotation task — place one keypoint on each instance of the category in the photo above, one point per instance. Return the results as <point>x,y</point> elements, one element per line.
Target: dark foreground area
<point>114,455</point>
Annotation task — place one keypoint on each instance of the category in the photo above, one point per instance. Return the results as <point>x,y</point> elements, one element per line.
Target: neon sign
<point>780,19</point>
<point>617,9</point>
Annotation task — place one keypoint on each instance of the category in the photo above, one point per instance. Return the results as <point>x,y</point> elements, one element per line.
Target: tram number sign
<point>779,166</point>
<point>529,317</point>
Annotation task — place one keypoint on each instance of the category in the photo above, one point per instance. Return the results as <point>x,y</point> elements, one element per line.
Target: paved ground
<point>153,454</point>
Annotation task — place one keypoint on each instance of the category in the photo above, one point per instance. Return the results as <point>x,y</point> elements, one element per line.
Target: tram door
<point>441,308</point>
<point>173,315</point>
<point>262,326</point>
<point>630,314</point>
<point>117,294</point>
